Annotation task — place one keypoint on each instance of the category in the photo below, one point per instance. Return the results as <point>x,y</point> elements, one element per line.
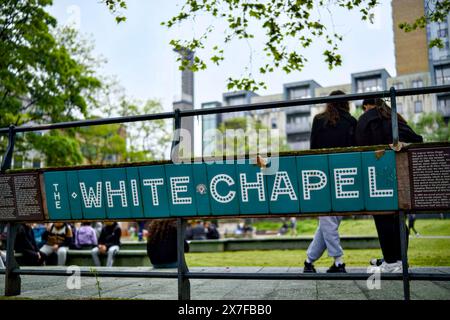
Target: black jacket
<point>26,245</point>
<point>165,250</point>
<point>373,129</point>
<point>324,135</point>
<point>110,235</point>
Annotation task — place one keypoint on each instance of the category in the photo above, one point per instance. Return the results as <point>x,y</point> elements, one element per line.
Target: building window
<point>444,105</point>
<point>368,84</point>
<point>443,74</point>
<point>36,163</point>
<point>274,123</point>
<point>299,93</point>
<point>398,85</point>
<point>418,107</point>
<point>18,162</point>
<point>443,33</point>
<point>417,83</point>
<point>235,101</point>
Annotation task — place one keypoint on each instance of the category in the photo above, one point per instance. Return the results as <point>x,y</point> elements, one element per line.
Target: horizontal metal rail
<point>236,275</point>
<point>238,108</point>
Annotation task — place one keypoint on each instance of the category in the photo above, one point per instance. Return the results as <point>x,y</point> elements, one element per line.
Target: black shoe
<point>337,269</point>
<point>309,268</point>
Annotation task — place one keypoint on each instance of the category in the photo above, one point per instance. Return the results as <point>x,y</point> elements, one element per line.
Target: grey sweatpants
<point>112,251</point>
<point>61,253</point>
<point>326,237</point>
<point>2,260</point>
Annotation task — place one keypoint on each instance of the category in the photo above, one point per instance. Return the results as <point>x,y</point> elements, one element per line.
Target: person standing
<point>333,128</point>
<point>411,224</point>
<point>375,128</point>
<point>293,226</point>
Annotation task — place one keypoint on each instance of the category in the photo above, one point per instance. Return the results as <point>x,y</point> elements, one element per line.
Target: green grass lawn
<point>422,251</point>
<point>355,227</point>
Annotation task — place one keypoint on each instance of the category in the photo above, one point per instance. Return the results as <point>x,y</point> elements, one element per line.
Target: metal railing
<point>13,271</point>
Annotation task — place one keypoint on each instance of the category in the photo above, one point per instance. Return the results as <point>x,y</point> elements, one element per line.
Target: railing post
<point>7,158</point>
<point>176,136</point>
<point>404,250</point>
<point>184,286</point>
<point>12,280</point>
<point>394,119</point>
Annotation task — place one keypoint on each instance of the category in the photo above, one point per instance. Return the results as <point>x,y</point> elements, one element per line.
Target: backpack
<point>83,237</point>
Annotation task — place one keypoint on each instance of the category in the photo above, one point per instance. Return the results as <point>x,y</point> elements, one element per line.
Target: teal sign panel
<point>154,191</point>
<point>380,176</point>
<point>345,182</point>
<point>134,195</point>
<point>202,193</point>
<point>92,193</point>
<point>347,192</point>
<point>252,189</point>
<point>73,189</point>
<point>282,186</point>
<point>56,190</point>
<point>117,189</point>
<point>223,189</point>
<point>314,183</point>
<point>181,190</point>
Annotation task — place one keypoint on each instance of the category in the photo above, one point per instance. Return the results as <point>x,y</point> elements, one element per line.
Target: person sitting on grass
<point>57,240</point>
<point>108,243</point>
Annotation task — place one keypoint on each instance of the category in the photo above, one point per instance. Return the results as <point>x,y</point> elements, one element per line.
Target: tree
<point>145,140</point>
<point>435,11</point>
<point>285,22</point>
<point>42,77</point>
<point>243,135</point>
<point>432,127</point>
<point>50,74</point>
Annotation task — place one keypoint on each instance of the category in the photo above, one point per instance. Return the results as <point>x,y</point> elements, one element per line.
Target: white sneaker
<point>391,267</point>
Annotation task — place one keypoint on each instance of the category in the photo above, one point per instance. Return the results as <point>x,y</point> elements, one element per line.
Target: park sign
<point>312,182</point>
<point>318,183</point>
<point>322,183</point>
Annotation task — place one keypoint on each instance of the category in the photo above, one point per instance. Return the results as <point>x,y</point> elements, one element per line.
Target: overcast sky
<point>139,54</point>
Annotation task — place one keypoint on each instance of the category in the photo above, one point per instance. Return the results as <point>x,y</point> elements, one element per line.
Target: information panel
<point>20,197</point>
<point>430,178</point>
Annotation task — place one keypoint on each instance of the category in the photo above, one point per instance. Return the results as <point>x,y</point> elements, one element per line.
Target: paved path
<point>51,287</point>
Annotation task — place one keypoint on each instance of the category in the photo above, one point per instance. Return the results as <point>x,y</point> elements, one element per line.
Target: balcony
<point>297,128</point>
<point>298,109</point>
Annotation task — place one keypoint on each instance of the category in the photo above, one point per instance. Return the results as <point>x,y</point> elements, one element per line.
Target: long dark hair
<point>331,113</point>
<point>159,229</point>
<point>383,109</point>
